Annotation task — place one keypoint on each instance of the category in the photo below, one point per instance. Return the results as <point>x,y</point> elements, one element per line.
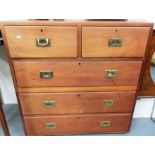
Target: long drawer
<point>47,73</point>
<point>41,41</point>
<point>72,103</point>
<point>114,41</point>
<point>75,124</point>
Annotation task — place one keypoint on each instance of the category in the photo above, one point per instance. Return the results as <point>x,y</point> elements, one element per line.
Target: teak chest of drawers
<point>76,77</point>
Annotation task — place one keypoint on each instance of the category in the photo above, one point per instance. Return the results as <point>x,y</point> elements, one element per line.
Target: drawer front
<point>41,41</point>
<point>114,41</point>
<point>72,103</point>
<point>46,73</point>
<point>76,124</point>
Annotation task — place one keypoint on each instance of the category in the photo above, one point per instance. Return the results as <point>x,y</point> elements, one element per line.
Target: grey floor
<point>139,126</point>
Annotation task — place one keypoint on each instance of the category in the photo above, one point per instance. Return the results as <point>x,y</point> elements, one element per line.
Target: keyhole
<point>79,63</point>
<point>78,95</point>
<point>116,30</point>
<point>41,30</point>
<point>78,118</point>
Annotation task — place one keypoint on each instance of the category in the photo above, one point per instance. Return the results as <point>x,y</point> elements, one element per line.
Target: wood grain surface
<point>95,41</point>
<point>76,73</point>
<point>72,103</point>
<point>22,41</point>
<point>77,124</point>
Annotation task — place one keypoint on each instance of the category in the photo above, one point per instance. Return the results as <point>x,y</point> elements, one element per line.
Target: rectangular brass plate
<point>46,74</point>
<point>105,123</point>
<point>115,42</point>
<point>51,125</point>
<point>111,73</point>
<point>43,42</point>
<point>107,102</point>
<point>49,104</point>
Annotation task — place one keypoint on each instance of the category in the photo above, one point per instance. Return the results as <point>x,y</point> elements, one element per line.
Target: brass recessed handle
<point>46,74</point>
<point>43,42</point>
<point>107,103</point>
<point>111,73</point>
<point>115,42</point>
<point>51,125</point>
<point>49,104</point>
<point>105,123</point>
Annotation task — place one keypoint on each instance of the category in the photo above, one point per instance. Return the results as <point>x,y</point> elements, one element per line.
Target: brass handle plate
<point>115,42</point>
<point>49,104</point>
<point>46,74</point>
<point>111,73</point>
<point>43,42</point>
<point>107,103</point>
<point>105,123</point>
<point>50,125</point>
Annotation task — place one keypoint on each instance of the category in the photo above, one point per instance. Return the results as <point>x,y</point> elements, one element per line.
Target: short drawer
<point>77,124</point>
<point>114,41</point>
<point>47,73</point>
<point>41,41</point>
<point>72,103</point>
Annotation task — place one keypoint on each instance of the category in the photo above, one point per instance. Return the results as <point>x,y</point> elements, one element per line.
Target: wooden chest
<point>76,77</point>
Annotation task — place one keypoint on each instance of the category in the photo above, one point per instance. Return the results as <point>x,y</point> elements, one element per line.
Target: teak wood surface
<point>95,41</point>
<point>72,103</point>
<point>25,69</point>
<point>76,89</point>
<point>22,41</point>
<point>77,124</point>
<point>76,73</point>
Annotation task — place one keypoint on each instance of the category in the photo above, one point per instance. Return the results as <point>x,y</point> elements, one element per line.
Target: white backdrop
<point>6,84</point>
